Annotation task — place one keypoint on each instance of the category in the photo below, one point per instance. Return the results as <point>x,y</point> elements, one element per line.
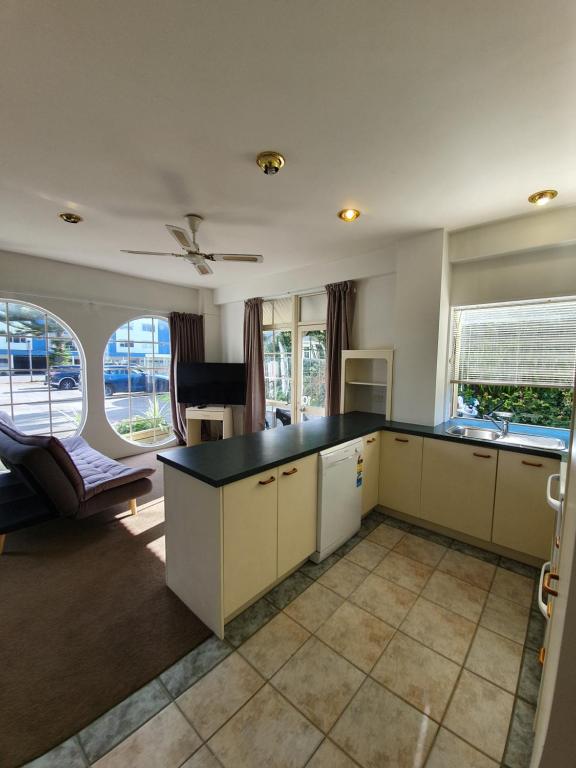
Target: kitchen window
<point>516,357</point>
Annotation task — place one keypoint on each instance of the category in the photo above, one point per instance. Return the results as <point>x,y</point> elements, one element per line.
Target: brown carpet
<point>85,620</point>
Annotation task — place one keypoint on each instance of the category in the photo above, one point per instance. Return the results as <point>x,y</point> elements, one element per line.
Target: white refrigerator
<point>555,723</point>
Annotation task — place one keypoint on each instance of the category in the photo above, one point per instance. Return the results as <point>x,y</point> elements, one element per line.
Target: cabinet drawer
<point>297,502</point>
<point>250,537</point>
<point>371,471</point>
<point>400,472</point>
<point>458,483</point>
<point>522,519</point>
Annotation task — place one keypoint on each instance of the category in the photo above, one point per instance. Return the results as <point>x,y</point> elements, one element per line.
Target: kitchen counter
<point>226,461</point>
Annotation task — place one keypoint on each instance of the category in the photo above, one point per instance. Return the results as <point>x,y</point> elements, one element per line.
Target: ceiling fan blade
<point>151,253</point>
<point>201,267</point>
<point>181,236</point>
<point>235,257</point>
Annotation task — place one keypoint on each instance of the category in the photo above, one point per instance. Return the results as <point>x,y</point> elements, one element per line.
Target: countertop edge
<point>417,430</point>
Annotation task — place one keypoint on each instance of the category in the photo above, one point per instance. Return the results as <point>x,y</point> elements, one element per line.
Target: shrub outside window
<point>518,357</point>
<point>41,371</point>
<point>137,381</point>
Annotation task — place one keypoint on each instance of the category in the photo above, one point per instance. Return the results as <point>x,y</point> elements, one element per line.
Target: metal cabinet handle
<point>546,584</point>
<point>266,482</point>
<point>290,472</point>
<point>482,455</point>
<point>532,463</point>
<point>401,440</point>
<point>371,440</point>
<point>541,655</point>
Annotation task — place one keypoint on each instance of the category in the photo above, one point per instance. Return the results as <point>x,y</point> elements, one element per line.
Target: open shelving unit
<point>366,381</point>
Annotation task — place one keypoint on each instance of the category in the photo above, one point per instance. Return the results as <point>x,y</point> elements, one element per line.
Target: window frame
<point>128,367</point>
<point>453,385</point>
<point>82,389</point>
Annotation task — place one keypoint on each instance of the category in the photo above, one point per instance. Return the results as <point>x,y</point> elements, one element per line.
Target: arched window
<point>41,371</point>
<point>137,383</point>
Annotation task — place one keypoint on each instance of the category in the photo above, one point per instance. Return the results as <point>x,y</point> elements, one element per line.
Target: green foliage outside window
<point>539,406</point>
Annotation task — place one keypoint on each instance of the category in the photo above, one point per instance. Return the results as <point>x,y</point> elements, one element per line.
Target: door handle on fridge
<point>554,503</point>
<point>541,604</point>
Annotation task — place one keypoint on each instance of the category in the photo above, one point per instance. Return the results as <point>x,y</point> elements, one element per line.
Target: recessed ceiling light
<point>70,218</point>
<point>542,197</point>
<point>348,214</point>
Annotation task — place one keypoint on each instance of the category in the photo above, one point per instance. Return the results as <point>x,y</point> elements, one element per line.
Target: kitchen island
<point>241,513</point>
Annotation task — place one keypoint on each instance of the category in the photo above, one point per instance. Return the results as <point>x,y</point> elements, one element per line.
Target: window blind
<point>532,344</point>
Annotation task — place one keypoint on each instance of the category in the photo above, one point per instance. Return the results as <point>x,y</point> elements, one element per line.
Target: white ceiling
<point>422,114</point>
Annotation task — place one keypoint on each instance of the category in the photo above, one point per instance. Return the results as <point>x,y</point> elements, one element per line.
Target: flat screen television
<point>211,383</point>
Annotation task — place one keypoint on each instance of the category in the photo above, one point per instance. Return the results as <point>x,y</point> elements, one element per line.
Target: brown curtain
<point>255,410</point>
<point>338,337</point>
<point>186,346</point>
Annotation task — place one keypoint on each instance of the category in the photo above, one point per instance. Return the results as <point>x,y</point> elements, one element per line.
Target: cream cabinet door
<point>400,472</point>
<point>522,519</point>
<point>250,537</point>
<point>458,483</point>
<point>371,471</point>
<point>297,512</point>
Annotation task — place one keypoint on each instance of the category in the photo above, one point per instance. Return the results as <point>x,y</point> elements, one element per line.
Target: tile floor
<point>403,649</point>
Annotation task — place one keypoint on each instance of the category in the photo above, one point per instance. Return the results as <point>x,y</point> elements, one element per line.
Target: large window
<point>137,383</point>
<point>41,367</point>
<point>515,357</point>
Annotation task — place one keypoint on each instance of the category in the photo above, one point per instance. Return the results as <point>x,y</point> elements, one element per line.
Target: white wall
<point>94,303</point>
<point>374,313</point>
<point>537,274</point>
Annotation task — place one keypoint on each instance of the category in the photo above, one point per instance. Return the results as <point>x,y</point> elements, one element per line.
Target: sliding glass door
<point>311,401</point>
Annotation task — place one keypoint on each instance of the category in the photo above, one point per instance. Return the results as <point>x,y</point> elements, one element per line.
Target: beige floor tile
<point>386,536</point>
<point>367,554</point>
<point>456,595</point>
<point>329,756</point>
<point>344,577</point>
<point>272,645</point>
<point>318,682</point>
<point>505,618</point>
<point>467,568</point>
<point>417,674</point>
<point>167,740</point>
<point>202,759</point>
<point>219,694</point>
<point>442,630</point>
<point>480,713</point>
<point>384,599</point>
<point>451,752</point>
<point>266,732</point>
<point>496,658</point>
<point>401,570</point>
<point>427,552</point>
<point>356,635</point>
<point>513,586</point>
<point>378,729</point>
<point>313,606</point>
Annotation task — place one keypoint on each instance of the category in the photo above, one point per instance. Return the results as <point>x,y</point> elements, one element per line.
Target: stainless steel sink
<point>474,433</point>
<point>492,435</point>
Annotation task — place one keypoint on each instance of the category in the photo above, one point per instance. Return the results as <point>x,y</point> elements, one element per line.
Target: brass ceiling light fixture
<point>348,214</point>
<point>270,162</point>
<point>70,218</point>
<point>543,197</point>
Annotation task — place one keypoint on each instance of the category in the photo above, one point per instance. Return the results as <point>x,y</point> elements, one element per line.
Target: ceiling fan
<point>192,252</point>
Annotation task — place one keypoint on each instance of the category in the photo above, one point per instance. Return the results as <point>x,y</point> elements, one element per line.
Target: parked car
<point>63,377</point>
<point>121,379</point>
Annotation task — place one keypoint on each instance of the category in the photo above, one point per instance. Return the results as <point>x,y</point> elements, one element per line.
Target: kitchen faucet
<point>500,419</point>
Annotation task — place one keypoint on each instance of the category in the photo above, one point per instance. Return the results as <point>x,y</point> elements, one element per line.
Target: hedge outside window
<point>137,381</point>
<point>41,371</point>
<point>518,357</point>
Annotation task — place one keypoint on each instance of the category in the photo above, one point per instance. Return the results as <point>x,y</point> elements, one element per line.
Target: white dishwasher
<point>339,496</point>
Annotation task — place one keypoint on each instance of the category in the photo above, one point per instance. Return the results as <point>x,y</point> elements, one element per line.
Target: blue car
<point>121,379</point>
<point>63,377</point>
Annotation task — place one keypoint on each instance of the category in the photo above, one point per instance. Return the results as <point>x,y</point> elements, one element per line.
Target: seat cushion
<point>100,473</point>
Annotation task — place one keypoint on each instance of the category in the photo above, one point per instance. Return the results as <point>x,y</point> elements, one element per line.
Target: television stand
<point>195,416</point>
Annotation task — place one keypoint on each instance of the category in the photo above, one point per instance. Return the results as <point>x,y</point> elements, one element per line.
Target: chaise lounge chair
<point>59,478</point>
